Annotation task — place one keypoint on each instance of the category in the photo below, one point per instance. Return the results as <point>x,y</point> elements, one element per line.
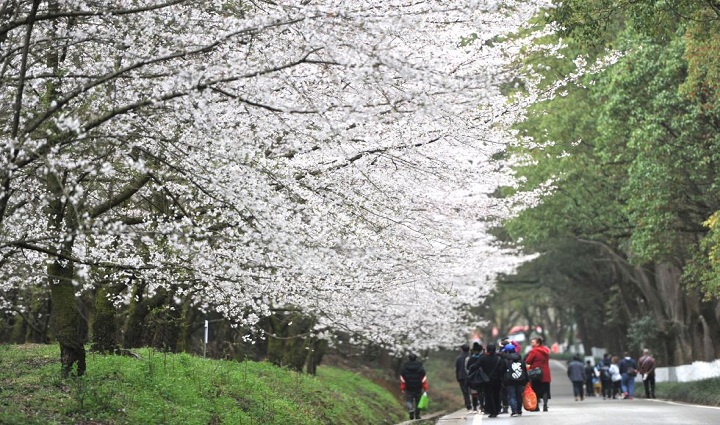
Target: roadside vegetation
<point>705,392</point>
<point>163,388</point>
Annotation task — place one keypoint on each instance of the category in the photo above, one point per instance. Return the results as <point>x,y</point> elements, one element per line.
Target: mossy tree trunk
<point>104,328</point>
<point>66,318</point>
<point>67,322</point>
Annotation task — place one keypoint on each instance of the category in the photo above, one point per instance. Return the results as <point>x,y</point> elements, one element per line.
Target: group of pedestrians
<point>617,375</point>
<point>507,374</point>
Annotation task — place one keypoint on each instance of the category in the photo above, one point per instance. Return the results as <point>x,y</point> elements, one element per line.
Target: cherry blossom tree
<point>327,156</point>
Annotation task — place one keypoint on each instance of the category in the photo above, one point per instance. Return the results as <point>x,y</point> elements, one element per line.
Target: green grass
<point>182,389</point>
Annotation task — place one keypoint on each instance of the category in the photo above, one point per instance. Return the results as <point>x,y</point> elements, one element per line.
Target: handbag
<point>477,378</point>
<point>529,398</point>
<point>423,402</point>
<point>535,374</point>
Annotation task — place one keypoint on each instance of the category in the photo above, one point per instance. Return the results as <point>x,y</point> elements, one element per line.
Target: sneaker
<point>512,415</point>
<point>545,409</point>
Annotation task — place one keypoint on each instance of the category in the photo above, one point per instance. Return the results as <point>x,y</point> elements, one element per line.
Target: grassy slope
<point>182,389</point>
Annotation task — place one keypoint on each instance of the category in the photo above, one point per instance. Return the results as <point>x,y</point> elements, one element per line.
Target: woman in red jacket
<point>539,356</point>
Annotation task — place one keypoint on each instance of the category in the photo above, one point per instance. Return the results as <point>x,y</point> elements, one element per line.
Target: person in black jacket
<point>413,383</point>
<point>515,379</point>
<point>461,374</point>
<point>472,363</point>
<point>495,368</point>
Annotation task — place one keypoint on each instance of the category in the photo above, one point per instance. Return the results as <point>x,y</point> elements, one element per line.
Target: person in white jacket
<point>615,376</point>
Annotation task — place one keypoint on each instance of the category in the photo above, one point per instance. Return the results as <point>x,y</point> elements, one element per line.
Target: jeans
<point>515,397</point>
<point>628,384</point>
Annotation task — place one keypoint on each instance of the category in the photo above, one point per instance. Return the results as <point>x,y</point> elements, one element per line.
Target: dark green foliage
<point>705,392</point>
<point>104,325</point>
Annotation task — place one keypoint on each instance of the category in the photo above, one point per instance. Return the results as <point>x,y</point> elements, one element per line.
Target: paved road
<point>563,409</point>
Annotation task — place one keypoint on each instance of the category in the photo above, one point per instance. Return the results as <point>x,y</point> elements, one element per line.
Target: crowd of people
<point>614,377</point>
<point>507,373</point>
<point>493,378</point>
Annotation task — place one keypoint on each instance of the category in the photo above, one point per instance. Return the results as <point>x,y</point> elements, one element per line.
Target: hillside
<point>160,388</point>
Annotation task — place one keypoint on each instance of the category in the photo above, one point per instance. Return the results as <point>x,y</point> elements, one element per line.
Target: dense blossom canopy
<point>329,156</point>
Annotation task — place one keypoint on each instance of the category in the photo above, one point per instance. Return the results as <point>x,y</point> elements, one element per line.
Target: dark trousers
<point>412,398</point>
<point>589,390</point>
<point>578,389</point>
<point>649,384</point>
<point>504,398</point>
<point>542,391</point>
<point>492,398</point>
<point>606,388</point>
<point>466,393</point>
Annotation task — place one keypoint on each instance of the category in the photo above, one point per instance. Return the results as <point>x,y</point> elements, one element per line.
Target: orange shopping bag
<point>529,398</point>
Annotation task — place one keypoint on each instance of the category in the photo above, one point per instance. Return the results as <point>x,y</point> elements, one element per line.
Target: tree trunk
<point>104,326</point>
<point>66,319</point>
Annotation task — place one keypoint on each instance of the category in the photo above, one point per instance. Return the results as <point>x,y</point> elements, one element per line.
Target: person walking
<point>503,390</point>
<point>603,373</point>
<point>615,376</point>
<point>413,383</point>
<point>646,367</point>
<point>628,371</point>
<point>494,367</point>
<point>539,356</point>
<point>576,373</point>
<point>515,379</point>
<point>461,374</point>
<point>472,363</point>
<point>589,379</point>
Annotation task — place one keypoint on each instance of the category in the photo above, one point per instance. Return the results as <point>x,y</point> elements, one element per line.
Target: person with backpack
<point>628,371</point>
<point>515,379</point>
<point>413,383</point>
<point>471,364</point>
<point>494,367</point>
<point>603,373</point>
<point>461,374</point>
